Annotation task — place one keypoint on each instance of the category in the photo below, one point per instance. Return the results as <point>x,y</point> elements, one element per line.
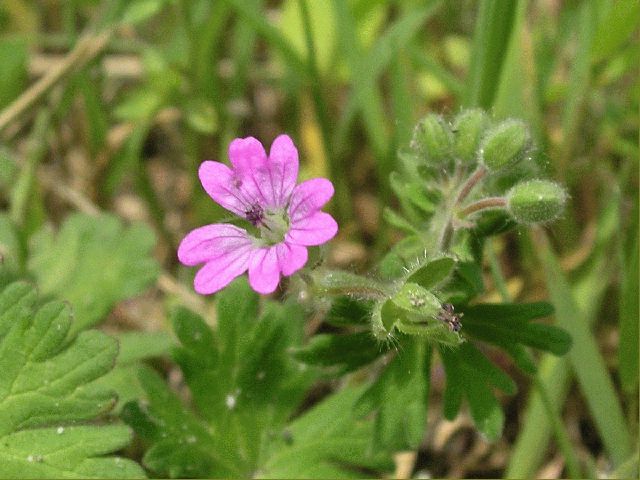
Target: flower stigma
<point>273,226</point>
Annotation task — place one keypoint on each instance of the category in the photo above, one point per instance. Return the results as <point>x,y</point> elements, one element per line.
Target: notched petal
<point>283,169</point>
<point>309,197</point>
<point>223,186</point>
<point>291,258</point>
<point>246,154</point>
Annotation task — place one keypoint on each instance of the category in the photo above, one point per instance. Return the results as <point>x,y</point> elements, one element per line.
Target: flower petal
<point>226,249</point>
<point>247,154</point>
<point>314,229</point>
<point>222,184</point>
<point>309,197</point>
<point>282,170</point>
<point>264,271</point>
<point>218,273</point>
<point>250,165</point>
<point>291,258</point>
<point>211,242</point>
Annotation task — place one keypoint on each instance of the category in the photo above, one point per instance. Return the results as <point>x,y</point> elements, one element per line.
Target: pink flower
<point>262,190</point>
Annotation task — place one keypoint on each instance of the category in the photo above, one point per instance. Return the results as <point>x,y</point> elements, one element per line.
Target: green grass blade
<point>579,82</point>
<point>555,373</point>
<point>365,93</point>
<point>616,28</point>
<point>25,199</point>
<point>430,65</point>
<point>562,437</point>
<point>526,456</point>
<point>403,105</point>
<point>495,23</point>
<point>366,98</point>
<point>629,310</point>
<point>590,369</point>
<point>342,199</point>
<point>271,34</point>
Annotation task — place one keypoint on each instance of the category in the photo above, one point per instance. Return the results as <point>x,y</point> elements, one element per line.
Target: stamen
<point>255,214</point>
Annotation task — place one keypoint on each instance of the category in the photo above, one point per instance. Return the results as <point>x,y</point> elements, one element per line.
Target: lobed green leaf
<point>47,380</point>
<point>470,375</point>
<point>93,262</point>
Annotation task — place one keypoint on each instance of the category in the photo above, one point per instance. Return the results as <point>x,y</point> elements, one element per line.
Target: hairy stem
<point>445,229</point>
<point>338,283</point>
<point>471,182</point>
<point>485,203</point>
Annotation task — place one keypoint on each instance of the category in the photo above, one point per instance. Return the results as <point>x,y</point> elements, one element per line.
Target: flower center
<point>272,224</point>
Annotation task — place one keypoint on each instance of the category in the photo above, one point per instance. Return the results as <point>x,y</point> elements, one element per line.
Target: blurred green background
<point>112,105</point>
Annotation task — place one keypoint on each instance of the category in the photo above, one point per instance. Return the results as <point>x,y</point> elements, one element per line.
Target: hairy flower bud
<point>433,138</point>
<point>417,301</point>
<point>536,201</point>
<point>505,145</point>
<point>469,126</point>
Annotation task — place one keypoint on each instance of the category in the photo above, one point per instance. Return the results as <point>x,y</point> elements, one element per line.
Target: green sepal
<point>536,201</point>
<point>418,302</point>
<point>468,128</point>
<point>402,256</point>
<point>505,145</point>
<point>434,139</point>
<point>433,272</point>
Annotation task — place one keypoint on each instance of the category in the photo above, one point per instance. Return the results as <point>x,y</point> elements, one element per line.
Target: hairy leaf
<point>346,311</point>
<point>135,348</point>
<point>93,262</point>
<point>504,324</point>
<point>325,442</point>
<point>399,398</point>
<point>181,444</point>
<point>472,375</point>
<point>242,381</point>
<point>46,381</point>
<point>346,352</point>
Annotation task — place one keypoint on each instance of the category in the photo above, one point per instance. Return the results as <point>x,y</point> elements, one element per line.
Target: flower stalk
<point>484,204</point>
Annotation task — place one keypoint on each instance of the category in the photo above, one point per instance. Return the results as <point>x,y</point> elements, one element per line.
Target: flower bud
<point>433,138</point>
<point>469,126</point>
<point>536,201</point>
<point>505,145</point>
<point>417,300</point>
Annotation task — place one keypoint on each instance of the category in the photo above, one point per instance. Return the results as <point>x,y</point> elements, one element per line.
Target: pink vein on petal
<point>250,163</point>
<point>291,257</point>
<point>283,169</point>
<point>217,274</point>
<point>264,271</point>
<point>210,242</point>
<point>314,229</point>
<point>220,182</point>
<point>309,197</point>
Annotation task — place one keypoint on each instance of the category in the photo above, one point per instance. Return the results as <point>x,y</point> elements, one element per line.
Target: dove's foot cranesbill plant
<point>285,217</point>
<point>458,182</point>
